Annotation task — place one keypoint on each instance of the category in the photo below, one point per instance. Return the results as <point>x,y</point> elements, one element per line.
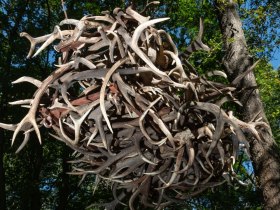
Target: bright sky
<point>276,60</point>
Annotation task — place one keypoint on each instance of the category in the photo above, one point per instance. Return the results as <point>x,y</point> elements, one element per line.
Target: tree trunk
<point>2,172</point>
<point>64,185</point>
<point>30,195</point>
<point>264,153</point>
<point>36,159</point>
<point>5,83</point>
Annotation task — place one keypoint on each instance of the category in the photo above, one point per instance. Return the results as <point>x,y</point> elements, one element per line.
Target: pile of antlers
<point>137,115</point>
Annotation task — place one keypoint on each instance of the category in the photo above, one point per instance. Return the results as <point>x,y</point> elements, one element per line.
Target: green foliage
<point>261,21</point>
<point>269,85</point>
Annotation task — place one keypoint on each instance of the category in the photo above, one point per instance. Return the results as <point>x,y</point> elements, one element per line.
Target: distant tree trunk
<point>64,185</point>
<point>5,83</point>
<point>133,4</point>
<point>30,194</point>
<point>35,170</point>
<point>264,154</point>
<point>2,171</point>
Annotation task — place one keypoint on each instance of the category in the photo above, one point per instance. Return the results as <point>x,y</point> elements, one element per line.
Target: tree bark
<point>64,185</point>
<point>5,83</point>
<point>30,197</point>
<point>2,172</point>
<point>264,153</point>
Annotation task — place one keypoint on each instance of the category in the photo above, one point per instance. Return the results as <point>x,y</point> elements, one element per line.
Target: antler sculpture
<point>134,111</point>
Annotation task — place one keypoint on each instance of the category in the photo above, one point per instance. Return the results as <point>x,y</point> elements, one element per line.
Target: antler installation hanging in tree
<point>138,116</point>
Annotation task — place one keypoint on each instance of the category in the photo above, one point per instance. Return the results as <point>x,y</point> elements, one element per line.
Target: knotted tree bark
<point>237,60</point>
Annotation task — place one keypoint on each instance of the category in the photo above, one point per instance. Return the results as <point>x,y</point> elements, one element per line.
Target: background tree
<point>237,60</point>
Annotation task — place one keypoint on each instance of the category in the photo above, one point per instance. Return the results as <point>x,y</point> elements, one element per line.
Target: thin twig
<point>64,9</point>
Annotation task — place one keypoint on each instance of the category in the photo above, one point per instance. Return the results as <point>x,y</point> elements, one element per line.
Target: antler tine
<point>177,165</point>
<point>249,127</point>
<point>150,4</point>
<point>141,19</point>
<point>69,22</point>
<point>34,41</point>
<point>78,123</point>
<point>201,28</point>
<point>31,80</point>
<point>28,119</point>
<point>56,34</point>
<point>120,46</point>
<point>20,102</point>
<point>242,75</point>
<point>24,142</point>
<point>134,40</point>
<point>11,127</point>
<point>142,127</point>
<point>169,39</point>
<point>197,44</point>
<point>103,88</point>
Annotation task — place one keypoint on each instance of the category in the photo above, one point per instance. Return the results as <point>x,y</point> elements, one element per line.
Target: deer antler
<point>137,115</point>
